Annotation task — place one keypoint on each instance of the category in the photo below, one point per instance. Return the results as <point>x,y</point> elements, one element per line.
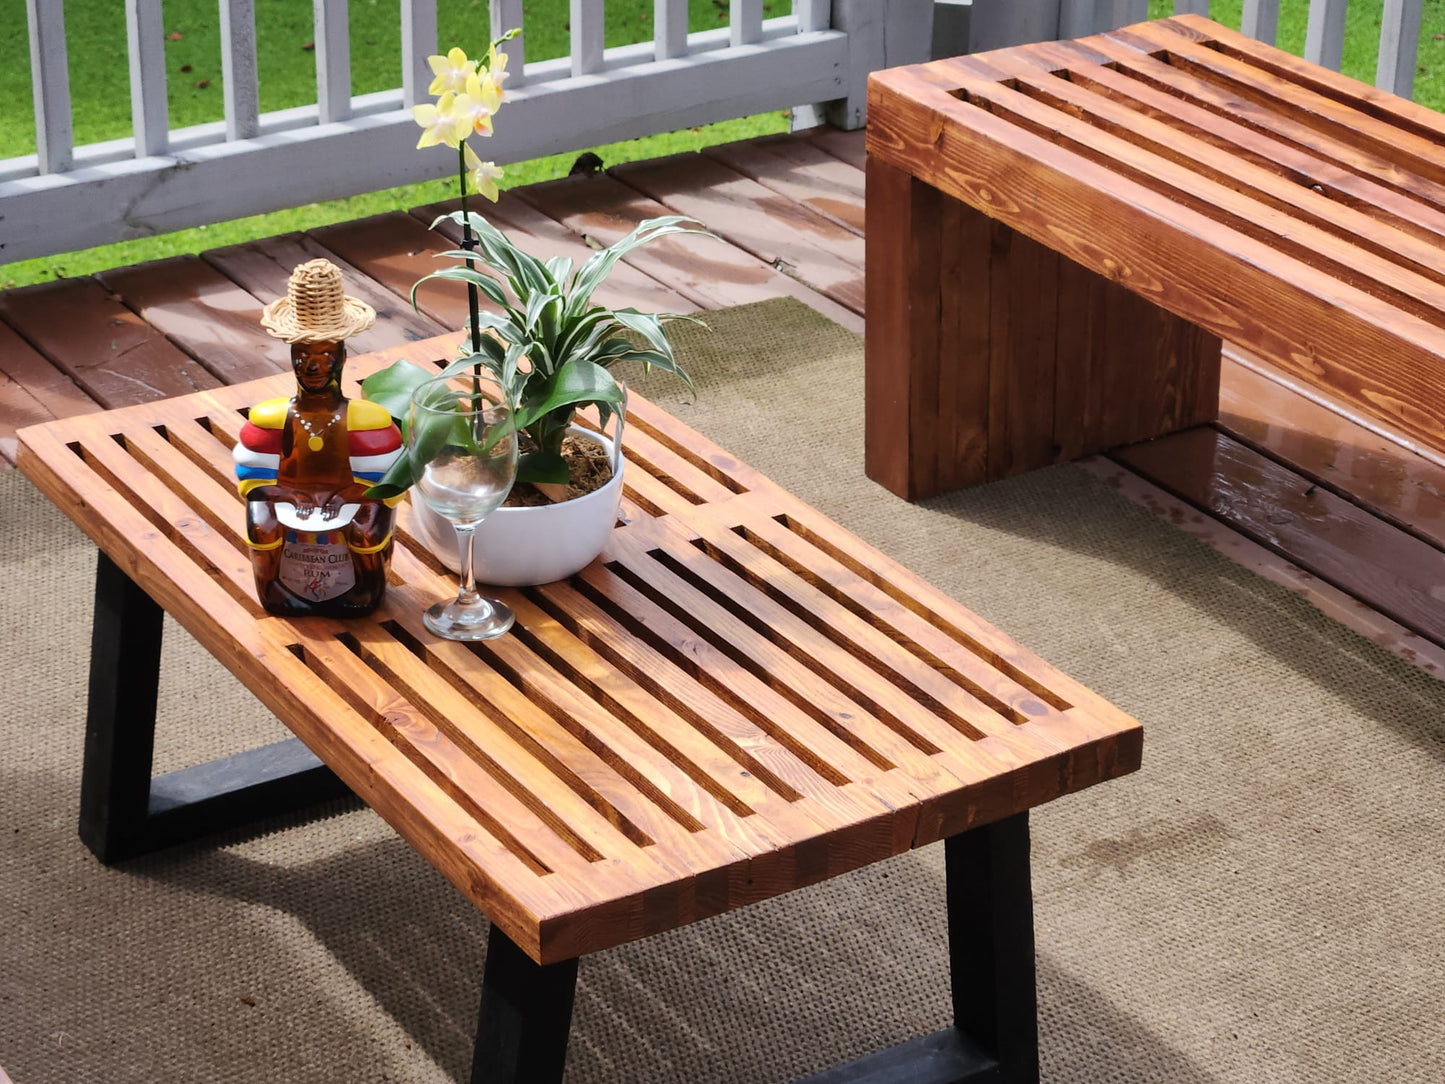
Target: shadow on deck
<point>1333,506</point>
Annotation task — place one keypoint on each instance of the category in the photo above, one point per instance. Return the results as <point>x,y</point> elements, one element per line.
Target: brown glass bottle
<point>313,553</point>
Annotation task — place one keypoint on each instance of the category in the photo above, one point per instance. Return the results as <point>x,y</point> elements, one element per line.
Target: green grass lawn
<point>286,62</point>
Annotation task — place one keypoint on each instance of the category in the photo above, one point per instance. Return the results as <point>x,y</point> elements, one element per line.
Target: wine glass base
<point>486,619</point>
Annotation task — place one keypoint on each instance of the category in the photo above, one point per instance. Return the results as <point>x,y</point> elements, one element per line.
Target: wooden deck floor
<point>1335,507</point>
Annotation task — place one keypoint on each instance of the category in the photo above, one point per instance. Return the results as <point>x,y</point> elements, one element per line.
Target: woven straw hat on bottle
<point>315,309</point>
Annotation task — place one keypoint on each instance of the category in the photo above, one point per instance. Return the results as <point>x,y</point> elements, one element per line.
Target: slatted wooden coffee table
<point>738,699</point>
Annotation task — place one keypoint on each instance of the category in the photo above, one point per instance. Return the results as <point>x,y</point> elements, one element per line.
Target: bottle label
<point>317,566</point>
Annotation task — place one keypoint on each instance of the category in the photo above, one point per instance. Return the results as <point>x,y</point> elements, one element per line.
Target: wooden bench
<point>738,699</point>
<point>1060,235</point>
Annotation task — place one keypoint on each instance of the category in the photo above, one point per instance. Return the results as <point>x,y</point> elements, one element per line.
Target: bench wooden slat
<point>1336,232</point>
<point>1332,123</point>
<point>1159,160</point>
<point>1418,118</point>
<point>1258,144</point>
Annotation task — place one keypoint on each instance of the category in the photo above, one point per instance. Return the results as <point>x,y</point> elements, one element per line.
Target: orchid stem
<point>469,242</point>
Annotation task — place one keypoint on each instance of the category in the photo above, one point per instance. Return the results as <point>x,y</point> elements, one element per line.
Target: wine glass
<point>466,446</point>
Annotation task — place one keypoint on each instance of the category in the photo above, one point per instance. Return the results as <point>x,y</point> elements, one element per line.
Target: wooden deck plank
<point>1344,545</point>
<point>775,228</point>
<point>113,354</point>
<point>32,390</point>
<point>396,250</point>
<point>1370,470</point>
<point>204,313</point>
<point>802,171</point>
<point>847,147</point>
<point>263,267</point>
<point>712,274</point>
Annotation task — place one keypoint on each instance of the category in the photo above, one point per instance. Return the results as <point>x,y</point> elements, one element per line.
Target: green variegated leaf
<point>488,285</point>
<point>392,387</point>
<point>544,467</point>
<point>579,382</point>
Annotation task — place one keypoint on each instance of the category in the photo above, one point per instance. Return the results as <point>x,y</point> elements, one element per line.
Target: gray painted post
<point>507,15</point>
<point>1399,38</point>
<point>1325,33</point>
<point>333,60</point>
<point>1190,7</point>
<point>994,24</point>
<point>418,41</point>
<point>1079,17</point>
<point>669,28</point>
<point>240,90</point>
<point>881,34</point>
<point>745,21</point>
<point>50,85</point>
<point>145,40</point>
<point>1261,20</point>
<point>586,34</point>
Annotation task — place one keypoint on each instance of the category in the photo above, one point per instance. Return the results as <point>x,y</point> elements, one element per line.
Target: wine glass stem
<point>466,535</point>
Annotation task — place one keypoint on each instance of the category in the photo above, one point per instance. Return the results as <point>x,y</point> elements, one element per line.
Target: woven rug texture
<point>1261,902</point>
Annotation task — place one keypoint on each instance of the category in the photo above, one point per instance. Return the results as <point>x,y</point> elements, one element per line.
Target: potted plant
<point>548,348</point>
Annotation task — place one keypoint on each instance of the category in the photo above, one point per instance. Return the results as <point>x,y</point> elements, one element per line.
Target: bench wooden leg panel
<point>123,810</point>
<point>989,354</point>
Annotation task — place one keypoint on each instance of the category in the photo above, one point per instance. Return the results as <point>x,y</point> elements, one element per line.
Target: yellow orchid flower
<point>451,71</point>
<point>440,123</point>
<point>496,64</point>
<point>481,99</point>
<point>485,175</point>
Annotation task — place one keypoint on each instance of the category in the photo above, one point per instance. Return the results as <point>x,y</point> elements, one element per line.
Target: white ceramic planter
<point>518,547</point>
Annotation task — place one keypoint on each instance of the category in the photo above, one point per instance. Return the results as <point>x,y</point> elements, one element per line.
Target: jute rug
<point>1261,902</point>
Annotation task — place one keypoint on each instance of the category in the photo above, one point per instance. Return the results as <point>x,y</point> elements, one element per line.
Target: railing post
<point>1189,7</point>
<point>1325,33</point>
<point>240,90</point>
<point>418,41</point>
<point>586,31</point>
<point>1261,20</point>
<point>333,61</point>
<point>745,21</point>
<point>507,15</point>
<point>669,27</point>
<point>145,37</point>
<point>881,34</point>
<point>994,24</point>
<point>1399,39</point>
<point>50,85</point>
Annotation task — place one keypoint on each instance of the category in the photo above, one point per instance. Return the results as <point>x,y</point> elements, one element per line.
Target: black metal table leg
<point>123,810</point>
<point>994,1039</point>
<point>525,1016</point>
<point>991,945</point>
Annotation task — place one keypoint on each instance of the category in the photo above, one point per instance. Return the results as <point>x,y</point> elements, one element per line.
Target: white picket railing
<point>65,197</point>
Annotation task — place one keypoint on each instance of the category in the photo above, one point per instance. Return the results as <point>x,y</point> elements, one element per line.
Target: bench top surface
<point>739,698</point>
<point>1275,203</point>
